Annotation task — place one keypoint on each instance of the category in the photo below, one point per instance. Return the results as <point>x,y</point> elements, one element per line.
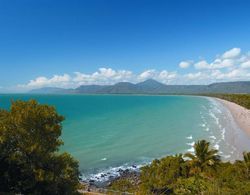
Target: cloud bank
<point>232,65</point>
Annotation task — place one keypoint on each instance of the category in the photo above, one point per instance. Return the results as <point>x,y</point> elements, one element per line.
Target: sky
<point>61,43</point>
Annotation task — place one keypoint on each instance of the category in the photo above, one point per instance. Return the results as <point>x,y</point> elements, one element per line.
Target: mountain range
<point>150,86</point>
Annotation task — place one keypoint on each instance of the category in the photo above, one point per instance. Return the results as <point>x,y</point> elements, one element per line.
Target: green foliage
<point>241,99</point>
<point>161,174</point>
<point>29,161</point>
<point>123,185</point>
<point>191,185</point>
<point>202,173</point>
<point>232,179</point>
<point>204,157</point>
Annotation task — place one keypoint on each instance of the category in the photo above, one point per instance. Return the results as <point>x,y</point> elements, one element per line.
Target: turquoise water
<point>108,132</point>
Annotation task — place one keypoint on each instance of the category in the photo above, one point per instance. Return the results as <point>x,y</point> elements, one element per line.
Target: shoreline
<point>240,114</point>
<point>132,175</point>
<point>240,117</point>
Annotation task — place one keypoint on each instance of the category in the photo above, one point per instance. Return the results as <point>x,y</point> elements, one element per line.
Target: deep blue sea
<point>106,133</point>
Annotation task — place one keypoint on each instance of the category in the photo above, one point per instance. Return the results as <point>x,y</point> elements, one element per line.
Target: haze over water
<point>108,132</point>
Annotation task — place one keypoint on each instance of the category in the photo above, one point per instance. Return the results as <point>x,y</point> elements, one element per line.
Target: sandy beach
<point>240,114</point>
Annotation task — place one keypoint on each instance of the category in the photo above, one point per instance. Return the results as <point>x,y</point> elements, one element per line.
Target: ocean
<point>109,133</point>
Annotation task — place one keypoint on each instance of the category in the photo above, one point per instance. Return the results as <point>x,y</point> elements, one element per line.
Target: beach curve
<point>239,113</point>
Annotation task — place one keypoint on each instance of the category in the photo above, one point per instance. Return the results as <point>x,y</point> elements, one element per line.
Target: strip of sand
<point>240,114</point>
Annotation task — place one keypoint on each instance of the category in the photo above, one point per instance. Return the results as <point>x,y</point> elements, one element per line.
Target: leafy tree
<point>231,178</point>
<point>29,158</point>
<point>175,175</point>
<point>123,185</point>
<point>191,185</point>
<point>203,157</point>
<point>159,177</point>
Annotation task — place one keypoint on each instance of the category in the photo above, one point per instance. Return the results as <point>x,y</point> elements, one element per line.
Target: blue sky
<point>69,43</point>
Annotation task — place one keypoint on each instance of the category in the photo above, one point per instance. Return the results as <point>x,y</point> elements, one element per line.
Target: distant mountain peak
<point>151,83</point>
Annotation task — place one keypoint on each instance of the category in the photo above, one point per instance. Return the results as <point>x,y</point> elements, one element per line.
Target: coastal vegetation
<point>241,99</point>
<point>29,159</point>
<point>200,173</point>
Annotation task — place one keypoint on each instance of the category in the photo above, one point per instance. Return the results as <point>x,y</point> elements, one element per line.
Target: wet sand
<point>240,114</point>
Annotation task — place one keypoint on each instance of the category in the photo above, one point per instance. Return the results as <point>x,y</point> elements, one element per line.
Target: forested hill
<point>152,87</point>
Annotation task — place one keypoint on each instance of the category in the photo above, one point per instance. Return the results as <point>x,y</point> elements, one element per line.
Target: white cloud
<point>221,63</point>
<point>202,65</point>
<point>167,75</point>
<point>232,75</point>
<point>147,74</point>
<point>231,66</point>
<point>163,76</point>
<point>194,75</point>
<point>185,64</point>
<point>103,76</point>
<point>56,80</point>
<point>229,59</point>
<point>216,64</point>
<point>246,64</point>
<point>232,53</point>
